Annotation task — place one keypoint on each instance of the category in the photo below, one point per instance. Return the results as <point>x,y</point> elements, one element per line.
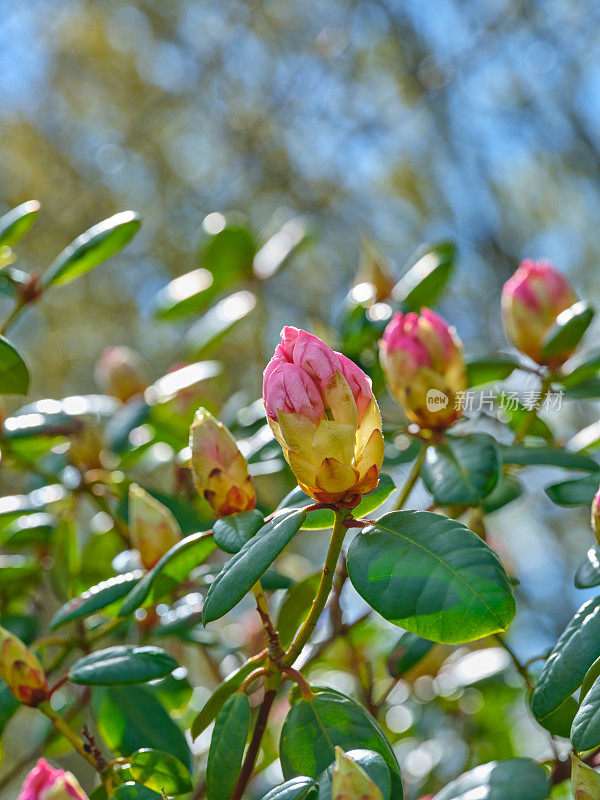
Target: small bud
<point>21,670</point>
<point>596,515</point>
<point>585,781</point>
<point>121,372</point>
<point>46,783</point>
<point>423,362</point>
<point>375,270</point>
<point>153,528</point>
<point>531,302</point>
<point>322,411</point>
<point>350,782</point>
<point>220,471</point>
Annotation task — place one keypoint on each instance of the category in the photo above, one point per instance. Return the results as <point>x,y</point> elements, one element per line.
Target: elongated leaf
<point>184,295</point>
<point>14,374</point>
<point>134,791</point>
<point>426,279</point>
<point>122,664</point>
<point>588,572</point>
<point>300,788</point>
<point>295,607</point>
<point>581,370</point>
<point>159,771</point>
<point>130,718</point>
<point>490,369</point>
<point>462,471</point>
<point>227,747</point>
<point>231,533</point>
<point>577,492</point>
<point>172,569</point>
<point>550,456</point>
<point>432,576</point>
<point>243,570</point>
<point>17,222</point>
<point>515,779</point>
<point>372,763</point>
<point>507,490</point>
<point>585,732</point>
<point>568,330</point>
<point>92,247</point>
<point>407,653</point>
<point>96,598</point>
<point>567,665</point>
<point>314,727</point>
<point>586,390</point>
<point>30,529</point>
<point>208,331</point>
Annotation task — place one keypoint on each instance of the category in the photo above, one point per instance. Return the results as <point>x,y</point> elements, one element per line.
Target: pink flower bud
<point>321,408</point>
<point>21,670</point>
<point>531,301</point>
<point>121,372</point>
<point>46,783</point>
<point>423,363</point>
<point>596,515</point>
<point>585,781</point>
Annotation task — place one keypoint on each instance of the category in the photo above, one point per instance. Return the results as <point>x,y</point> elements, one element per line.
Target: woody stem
<point>412,479</point>
<point>62,727</point>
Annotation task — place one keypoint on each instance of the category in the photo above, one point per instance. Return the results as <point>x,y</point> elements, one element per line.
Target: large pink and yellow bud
<point>46,783</point>
<point>596,515</point>
<point>423,362</point>
<point>21,670</point>
<point>220,471</point>
<point>153,528</point>
<point>532,299</point>
<point>321,408</point>
<point>585,781</point>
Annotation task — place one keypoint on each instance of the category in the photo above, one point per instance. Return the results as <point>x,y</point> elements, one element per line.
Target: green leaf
<point>243,570</point>
<point>227,747</point>
<point>295,606</point>
<point>426,279</point>
<point>313,728</point>
<point>210,329</point>
<point>547,456</point>
<point>134,791</point>
<point>215,702</point>
<point>14,374</point>
<point>590,678</point>
<point>407,653</point>
<point>567,665</point>
<point>586,390</point>
<point>515,779</point>
<point>172,569</point>
<point>30,529</point>
<point>585,732</point>
<point>130,718</point>
<point>18,573</point>
<point>187,294</point>
<point>231,533</point>
<point>280,247</point>
<point>92,247</point>
<point>229,254</point>
<point>507,490</point>
<point>67,561</point>
<point>15,224</point>
<point>588,572</point>
<point>96,598</point>
<point>300,788</point>
<point>462,471</point>
<point>576,492</point>
<point>568,330</point>
<point>582,370</point>
<point>490,369</point>
<point>8,705</point>
<point>559,722</point>
<point>431,575</point>
<point>159,771</point>
<point>122,664</point>
<point>516,419</point>
<point>371,762</point>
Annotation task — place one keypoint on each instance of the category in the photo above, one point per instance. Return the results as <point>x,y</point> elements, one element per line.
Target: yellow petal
<point>370,422</point>
<point>304,471</point>
<point>340,400</point>
<point>333,476</point>
<point>298,433</point>
<point>372,454</point>
<point>335,440</point>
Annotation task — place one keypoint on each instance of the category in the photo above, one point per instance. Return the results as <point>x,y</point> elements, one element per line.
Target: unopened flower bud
<point>596,515</point>
<point>21,670</point>
<point>321,408</point>
<point>585,781</point>
<point>121,372</point>
<point>154,529</point>
<point>423,362</point>
<point>46,783</point>
<point>532,299</point>
<point>349,780</point>
<point>220,471</point>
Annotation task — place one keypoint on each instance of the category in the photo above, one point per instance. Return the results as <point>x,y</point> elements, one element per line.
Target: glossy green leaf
<point>581,369</point>
<point>586,390</point>
<point>507,490</point>
<point>490,369</point>
<point>14,374</point>
<point>300,788</point>
<point>187,294</point>
<point>571,658</point>
<point>122,664</point>
<point>92,247</point>
<point>130,718</point>
<point>229,254</point>
<point>592,674</point>
<point>585,732</point>
<point>134,791</point>
<point>172,569</point>
<point>243,570</point>
<point>185,614</point>
<point>280,247</point>
<point>568,330</point>
<point>462,470</point>
<point>515,779</point>
<point>588,572</point>
<point>295,607</point>
<point>517,417</point>
<point>432,576</point>
<point>23,626</point>
<point>559,722</point>
<point>215,702</point>
<point>208,331</point>
<point>314,727</point>
<point>407,653</point>
<point>30,529</point>
<point>231,533</point>
<point>576,492</point>
<point>227,747</point>
<point>373,765</point>
<point>17,222</point>
<point>8,705</point>
<point>96,598</point>
<point>426,279</point>
<point>159,771</point>
<point>547,456</point>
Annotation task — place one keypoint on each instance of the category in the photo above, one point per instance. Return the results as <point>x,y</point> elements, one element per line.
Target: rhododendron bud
<point>154,529</point>
<point>531,302</point>
<point>21,670</point>
<point>585,781</point>
<point>596,515</point>
<point>321,408</point>
<point>349,780</point>
<point>423,362</point>
<point>46,783</point>
<point>220,471</point>
<point>121,372</point>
